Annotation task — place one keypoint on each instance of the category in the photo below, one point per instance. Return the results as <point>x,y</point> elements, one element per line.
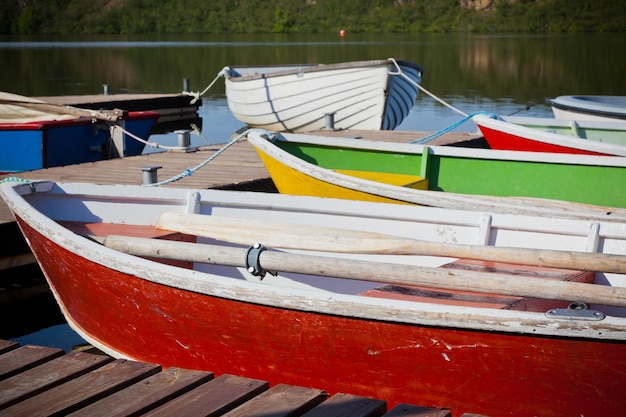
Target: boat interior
<point>97,231</point>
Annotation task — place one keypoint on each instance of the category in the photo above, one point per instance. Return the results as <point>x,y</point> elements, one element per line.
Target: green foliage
<point>305,16</point>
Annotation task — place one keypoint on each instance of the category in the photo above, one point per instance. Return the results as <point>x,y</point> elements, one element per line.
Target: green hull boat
<point>382,171</point>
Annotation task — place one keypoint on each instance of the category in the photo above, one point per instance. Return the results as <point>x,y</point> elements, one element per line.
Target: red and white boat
<point>539,134</point>
<point>36,135</point>
<point>172,276</point>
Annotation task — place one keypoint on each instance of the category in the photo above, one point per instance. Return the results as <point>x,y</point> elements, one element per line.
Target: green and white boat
<point>451,177</point>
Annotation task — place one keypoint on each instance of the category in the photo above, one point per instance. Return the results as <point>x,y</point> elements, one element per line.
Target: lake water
<point>502,74</point>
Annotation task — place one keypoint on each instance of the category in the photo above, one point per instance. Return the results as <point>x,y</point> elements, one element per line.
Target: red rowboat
<point>357,305</point>
<point>538,134</point>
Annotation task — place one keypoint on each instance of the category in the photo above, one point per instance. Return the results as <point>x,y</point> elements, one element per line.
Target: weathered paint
<point>491,373</point>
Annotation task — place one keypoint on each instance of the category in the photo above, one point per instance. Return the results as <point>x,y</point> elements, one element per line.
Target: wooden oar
<point>388,273</point>
<point>107,115</point>
<point>327,239</point>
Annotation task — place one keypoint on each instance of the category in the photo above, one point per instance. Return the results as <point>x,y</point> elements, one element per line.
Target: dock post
<point>106,89</point>
<point>330,121</point>
<point>149,174</point>
<point>183,138</point>
<point>186,84</point>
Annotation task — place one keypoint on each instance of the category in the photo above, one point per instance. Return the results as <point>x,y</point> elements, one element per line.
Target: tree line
<point>76,17</point>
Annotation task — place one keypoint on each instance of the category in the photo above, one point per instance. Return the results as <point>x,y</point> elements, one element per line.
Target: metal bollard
<point>149,174</point>
<point>106,89</point>
<point>186,84</point>
<point>183,138</point>
<point>330,121</point>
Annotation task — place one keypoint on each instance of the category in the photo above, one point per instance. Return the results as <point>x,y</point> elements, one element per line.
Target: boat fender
<point>253,264</point>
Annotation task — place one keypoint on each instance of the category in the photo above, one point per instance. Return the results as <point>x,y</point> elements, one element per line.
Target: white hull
<point>359,95</point>
<point>599,108</point>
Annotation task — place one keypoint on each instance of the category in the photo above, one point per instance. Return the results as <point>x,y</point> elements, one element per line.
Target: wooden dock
<point>239,167</point>
<point>42,381</point>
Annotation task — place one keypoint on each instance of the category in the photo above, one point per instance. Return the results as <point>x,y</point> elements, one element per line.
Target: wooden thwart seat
<point>102,230</point>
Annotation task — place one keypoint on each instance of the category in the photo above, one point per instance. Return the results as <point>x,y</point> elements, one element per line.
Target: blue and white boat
<point>363,95</point>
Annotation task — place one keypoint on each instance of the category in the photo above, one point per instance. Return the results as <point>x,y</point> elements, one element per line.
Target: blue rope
<point>189,171</point>
<point>435,135</point>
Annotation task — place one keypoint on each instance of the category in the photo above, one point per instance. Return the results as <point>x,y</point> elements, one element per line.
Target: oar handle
<point>329,239</point>
<point>106,115</point>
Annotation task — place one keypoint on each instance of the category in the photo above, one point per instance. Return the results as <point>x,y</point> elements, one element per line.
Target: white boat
<point>494,308</point>
<point>365,95</point>
<point>589,107</point>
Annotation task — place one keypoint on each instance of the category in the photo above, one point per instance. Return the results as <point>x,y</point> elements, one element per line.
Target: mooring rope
<point>419,87</point>
<point>198,95</point>
<point>190,171</point>
<point>435,135</point>
<point>454,125</point>
<point>145,142</point>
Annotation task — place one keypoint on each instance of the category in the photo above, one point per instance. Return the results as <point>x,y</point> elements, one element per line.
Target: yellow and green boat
<point>502,181</point>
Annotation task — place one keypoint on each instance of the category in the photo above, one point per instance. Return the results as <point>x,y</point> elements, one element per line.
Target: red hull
<point>468,371</point>
<point>508,142</point>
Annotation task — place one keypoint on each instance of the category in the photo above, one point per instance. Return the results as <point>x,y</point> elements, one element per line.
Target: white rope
<point>196,130</point>
<point>197,96</point>
<point>145,142</point>
<point>400,72</point>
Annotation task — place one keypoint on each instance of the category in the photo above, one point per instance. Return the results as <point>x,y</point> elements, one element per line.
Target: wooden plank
<point>407,410</point>
<point>281,400</point>
<point>25,357</point>
<point>86,384</point>
<point>146,395</point>
<point>340,405</point>
<point>50,374</point>
<point>7,345</point>
<point>213,398</point>
<point>84,390</point>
